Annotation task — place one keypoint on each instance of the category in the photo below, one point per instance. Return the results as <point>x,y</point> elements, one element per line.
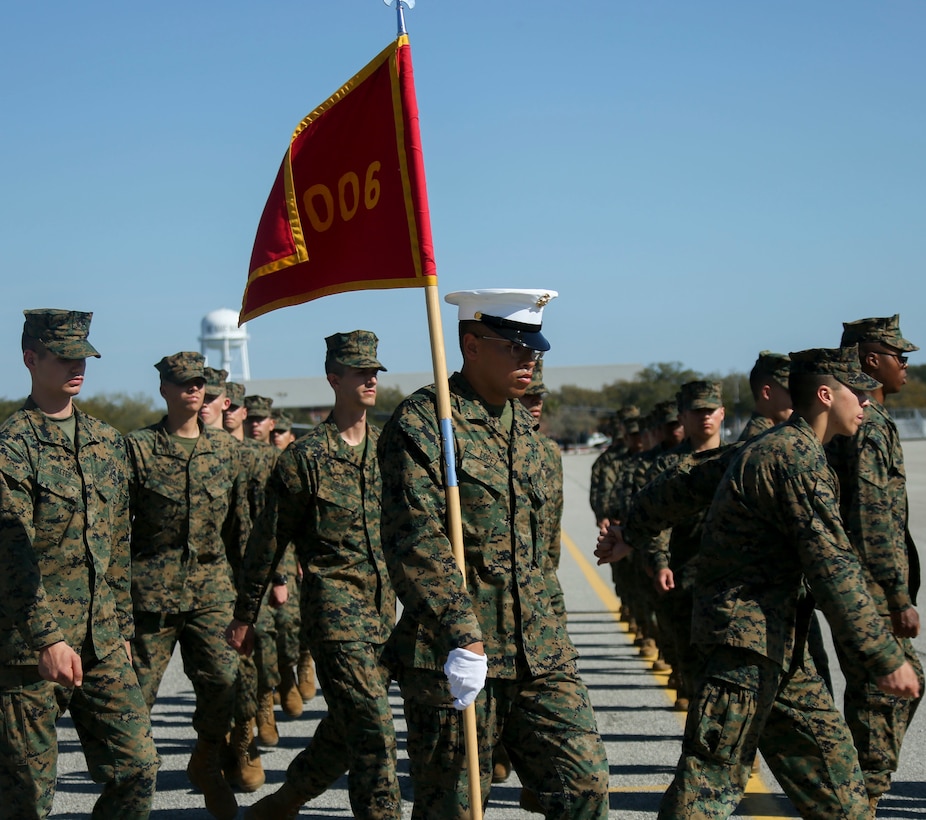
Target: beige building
<point>314,394</point>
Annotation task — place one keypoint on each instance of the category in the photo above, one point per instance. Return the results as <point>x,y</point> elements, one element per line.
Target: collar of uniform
<point>474,408</point>
<point>50,432</point>
<point>801,424</point>
<point>164,446</point>
<point>337,447</point>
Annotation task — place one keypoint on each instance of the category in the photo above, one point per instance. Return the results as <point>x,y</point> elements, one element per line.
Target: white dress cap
<point>515,314</point>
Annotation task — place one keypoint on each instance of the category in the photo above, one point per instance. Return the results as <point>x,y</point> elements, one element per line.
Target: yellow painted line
<point>757,788</point>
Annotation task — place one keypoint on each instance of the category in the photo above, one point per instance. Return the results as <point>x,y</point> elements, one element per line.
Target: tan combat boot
<point>267,732</point>
<point>281,805</point>
<point>290,696</point>
<point>306,676</point>
<point>501,764</point>
<point>648,650</point>
<point>247,773</point>
<point>205,774</point>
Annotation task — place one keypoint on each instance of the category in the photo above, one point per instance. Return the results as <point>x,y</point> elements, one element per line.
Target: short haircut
<point>37,346</point>
<point>758,378</point>
<point>334,367</point>
<point>803,388</point>
<point>469,326</point>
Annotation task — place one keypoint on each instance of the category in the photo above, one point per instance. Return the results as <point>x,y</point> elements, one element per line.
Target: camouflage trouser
<point>643,596</point>
<point>546,724</point>
<point>112,722</point>
<point>265,647</point>
<point>745,702</point>
<point>675,608</point>
<point>245,691</point>
<point>209,662</point>
<point>817,649</point>
<point>288,621</point>
<point>357,735</point>
<point>277,630</point>
<point>878,721</point>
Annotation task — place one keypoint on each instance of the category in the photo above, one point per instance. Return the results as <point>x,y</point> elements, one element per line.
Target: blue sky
<point>698,180</point>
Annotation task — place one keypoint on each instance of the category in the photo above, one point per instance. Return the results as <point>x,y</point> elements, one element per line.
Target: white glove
<point>466,672</point>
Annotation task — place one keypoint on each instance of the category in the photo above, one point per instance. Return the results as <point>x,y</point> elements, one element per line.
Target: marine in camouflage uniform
<point>773,545</point>
<point>65,606</point>
<point>605,478</point>
<point>768,383</point>
<point>533,400</point>
<point>241,760</point>
<point>277,627</point>
<point>656,644</point>
<point>870,468</point>
<point>672,557</point>
<point>185,483</point>
<point>325,498</point>
<point>290,644</point>
<point>497,641</point>
<point>617,449</point>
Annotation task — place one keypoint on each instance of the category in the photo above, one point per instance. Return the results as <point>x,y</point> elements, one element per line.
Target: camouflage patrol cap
<point>699,395</point>
<point>182,367</point>
<point>215,380</point>
<point>776,366</point>
<point>235,393</point>
<point>537,387</point>
<point>665,412</point>
<point>258,406</point>
<point>841,363</point>
<point>885,329</point>
<point>63,332</point>
<point>354,349</point>
<point>630,418</point>
<point>283,422</point>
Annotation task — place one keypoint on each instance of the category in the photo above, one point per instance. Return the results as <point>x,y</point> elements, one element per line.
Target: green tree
<point>122,411</point>
<point>387,399</point>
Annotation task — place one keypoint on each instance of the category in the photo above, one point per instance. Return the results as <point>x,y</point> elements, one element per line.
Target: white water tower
<point>227,343</point>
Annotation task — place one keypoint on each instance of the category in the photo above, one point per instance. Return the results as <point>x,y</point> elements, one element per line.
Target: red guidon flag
<point>349,207</point>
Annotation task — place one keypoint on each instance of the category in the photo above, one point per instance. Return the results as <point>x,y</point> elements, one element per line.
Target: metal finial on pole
<point>400,13</point>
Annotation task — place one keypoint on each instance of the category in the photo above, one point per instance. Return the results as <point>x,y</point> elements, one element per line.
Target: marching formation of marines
<point>806,512</point>
<point>270,557</point>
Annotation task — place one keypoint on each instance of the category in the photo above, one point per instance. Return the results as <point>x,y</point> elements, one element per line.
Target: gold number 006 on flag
<point>319,204</point>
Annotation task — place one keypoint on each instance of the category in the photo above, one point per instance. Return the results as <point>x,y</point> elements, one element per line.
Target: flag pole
<point>451,487</point>
<point>454,521</point>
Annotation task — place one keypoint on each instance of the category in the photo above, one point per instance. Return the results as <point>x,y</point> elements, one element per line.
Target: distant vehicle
<point>598,440</point>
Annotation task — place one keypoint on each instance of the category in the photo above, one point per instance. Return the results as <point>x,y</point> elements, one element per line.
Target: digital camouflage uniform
<point>553,519</point>
<point>533,700</point>
<point>596,486</point>
<point>635,473</point>
<point>775,367</point>
<point>872,479</point>
<point>277,628</point>
<point>677,549</point>
<point>64,576</point>
<point>757,424</point>
<point>769,368</point>
<point>606,471</point>
<point>324,499</point>
<point>182,585</point>
<point>773,544</point>
<point>60,509</point>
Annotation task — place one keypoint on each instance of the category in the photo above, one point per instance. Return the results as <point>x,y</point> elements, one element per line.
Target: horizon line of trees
<point>570,414</point>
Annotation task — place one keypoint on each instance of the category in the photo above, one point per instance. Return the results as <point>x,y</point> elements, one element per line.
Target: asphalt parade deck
<point>633,706</point>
